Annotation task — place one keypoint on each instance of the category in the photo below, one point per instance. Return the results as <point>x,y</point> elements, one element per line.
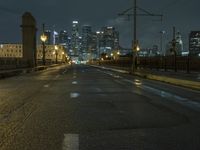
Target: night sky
<point>184,14</point>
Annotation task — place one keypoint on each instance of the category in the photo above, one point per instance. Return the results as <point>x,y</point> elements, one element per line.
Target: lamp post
<point>98,33</point>
<point>111,55</point>
<point>136,55</point>
<point>56,53</point>
<point>63,57</point>
<point>43,38</point>
<point>161,41</point>
<point>135,42</point>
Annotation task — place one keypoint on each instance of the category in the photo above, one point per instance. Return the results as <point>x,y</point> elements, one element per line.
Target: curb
<point>178,82</point>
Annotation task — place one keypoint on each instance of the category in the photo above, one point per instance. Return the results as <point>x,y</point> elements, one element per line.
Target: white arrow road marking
<point>71,142</point>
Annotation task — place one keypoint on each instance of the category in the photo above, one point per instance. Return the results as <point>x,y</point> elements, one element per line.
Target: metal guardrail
<point>183,63</point>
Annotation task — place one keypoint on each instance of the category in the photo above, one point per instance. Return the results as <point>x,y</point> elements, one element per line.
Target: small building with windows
<point>15,51</point>
<point>11,51</point>
<point>51,53</point>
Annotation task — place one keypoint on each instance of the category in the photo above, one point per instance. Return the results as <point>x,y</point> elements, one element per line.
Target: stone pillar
<point>29,31</point>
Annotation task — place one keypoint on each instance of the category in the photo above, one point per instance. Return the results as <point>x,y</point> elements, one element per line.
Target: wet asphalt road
<point>85,108</point>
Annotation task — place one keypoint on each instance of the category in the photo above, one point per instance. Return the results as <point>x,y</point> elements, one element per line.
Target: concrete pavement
<point>89,108</point>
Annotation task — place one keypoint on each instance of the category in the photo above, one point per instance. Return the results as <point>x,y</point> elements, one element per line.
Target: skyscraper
<point>179,43</point>
<point>109,39</point>
<point>63,37</point>
<point>75,38</point>
<point>55,37</point>
<point>86,38</point>
<point>194,43</point>
<point>48,34</point>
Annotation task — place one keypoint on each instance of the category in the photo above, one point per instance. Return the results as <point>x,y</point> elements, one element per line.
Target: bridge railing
<point>183,63</point>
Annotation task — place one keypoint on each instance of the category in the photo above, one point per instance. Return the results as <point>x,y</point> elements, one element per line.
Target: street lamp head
<point>43,38</point>
<point>56,47</point>
<point>138,48</point>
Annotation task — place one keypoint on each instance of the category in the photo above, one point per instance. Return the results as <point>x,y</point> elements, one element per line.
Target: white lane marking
<point>173,97</point>
<point>136,82</point>
<point>117,76</point>
<point>198,78</point>
<point>46,86</point>
<point>74,82</point>
<point>71,142</point>
<point>98,90</point>
<point>129,81</point>
<point>74,77</point>
<point>57,76</point>
<point>64,72</point>
<point>111,74</point>
<point>74,95</point>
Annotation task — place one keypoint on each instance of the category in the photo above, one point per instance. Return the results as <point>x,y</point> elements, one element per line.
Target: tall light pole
<point>144,13</point>
<point>99,55</point>
<point>174,48</point>
<point>134,35</point>
<point>56,52</point>
<point>161,41</point>
<point>43,38</point>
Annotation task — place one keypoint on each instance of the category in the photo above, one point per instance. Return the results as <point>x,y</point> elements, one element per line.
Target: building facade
<point>194,43</point>
<point>63,37</point>
<point>86,38</point>
<point>8,51</point>
<point>75,38</point>
<point>11,51</point>
<point>49,39</point>
<point>109,39</point>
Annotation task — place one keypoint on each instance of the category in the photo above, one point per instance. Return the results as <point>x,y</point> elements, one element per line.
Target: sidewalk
<point>15,72</point>
<point>191,80</point>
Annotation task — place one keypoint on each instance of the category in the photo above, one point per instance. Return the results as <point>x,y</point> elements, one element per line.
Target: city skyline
<point>63,15</point>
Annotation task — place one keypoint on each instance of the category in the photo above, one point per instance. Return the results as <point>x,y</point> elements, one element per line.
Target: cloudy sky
<point>184,14</point>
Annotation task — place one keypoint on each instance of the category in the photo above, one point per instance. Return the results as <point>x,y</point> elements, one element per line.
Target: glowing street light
<point>138,48</point>
<point>56,52</point>
<point>136,54</point>
<point>98,46</point>
<point>43,38</point>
